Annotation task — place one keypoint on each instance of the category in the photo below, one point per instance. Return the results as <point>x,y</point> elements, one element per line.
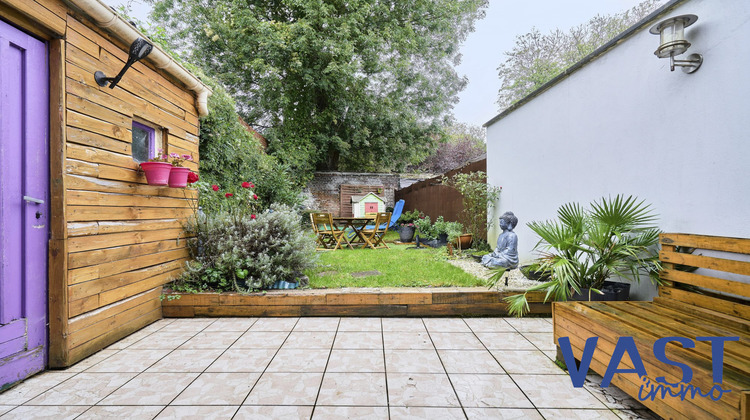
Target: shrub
<point>477,197</point>
<point>409,217</point>
<point>239,251</point>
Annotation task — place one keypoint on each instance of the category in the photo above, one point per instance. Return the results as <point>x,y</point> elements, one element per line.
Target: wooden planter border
<point>385,302</point>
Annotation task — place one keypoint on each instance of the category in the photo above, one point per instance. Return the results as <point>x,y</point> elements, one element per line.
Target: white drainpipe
<point>116,25</point>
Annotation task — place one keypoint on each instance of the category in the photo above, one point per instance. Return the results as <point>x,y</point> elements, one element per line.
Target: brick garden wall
<point>326,188</point>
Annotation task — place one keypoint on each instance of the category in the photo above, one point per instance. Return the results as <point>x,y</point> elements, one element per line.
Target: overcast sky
<point>494,35</point>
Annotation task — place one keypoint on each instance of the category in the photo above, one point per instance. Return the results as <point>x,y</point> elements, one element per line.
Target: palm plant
<point>583,248</point>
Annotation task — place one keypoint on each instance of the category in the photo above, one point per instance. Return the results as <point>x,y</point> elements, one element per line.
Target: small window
<point>146,141</point>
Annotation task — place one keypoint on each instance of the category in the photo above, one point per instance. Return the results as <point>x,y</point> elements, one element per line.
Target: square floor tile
<point>212,340</point>
<point>353,389</point>
<point>365,413</point>
<point>150,389</point>
<point>456,325</point>
<point>44,412</point>
<point>186,361</point>
<point>274,324</point>
<point>407,340</point>
<point>420,390</point>
<point>299,360</point>
<point>577,414</point>
<point>611,396</point>
<point>531,324</point>
<point>129,340</point>
<point>5,408</point>
<point>503,413</point>
<point>158,325</point>
<point>456,341</point>
<point>163,340</point>
<point>356,361</point>
<point>218,389</point>
<point>309,340</point>
<point>130,412</point>
<point>231,324</point>
<point>644,414</point>
<point>242,360</point>
<point>83,389</point>
<point>543,341</point>
<point>95,358</point>
<point>488,391</point>
<point>34,386</point>
<point>360,324</point>
<point>317,324</point>
<point>469,361</point>
<point>403,324</point>
<point>358,340</point>
<point>129,360</point>
<point>177,412</point>
<point>413,361</point>
<point>427,413</point>
<point>261,340</point>
<point>274,412</point>
<point>285,389</point>
<point>489,325</point>
<point>555,391</point>
<point>505,341</point>
<point>527,362</point>
<point>190,325</point>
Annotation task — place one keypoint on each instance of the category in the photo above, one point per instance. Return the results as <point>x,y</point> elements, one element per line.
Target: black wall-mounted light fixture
<point>139,49</point>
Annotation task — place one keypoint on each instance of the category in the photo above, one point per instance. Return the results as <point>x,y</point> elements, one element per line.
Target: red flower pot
<point>157,173</point>
<point>178,177</point>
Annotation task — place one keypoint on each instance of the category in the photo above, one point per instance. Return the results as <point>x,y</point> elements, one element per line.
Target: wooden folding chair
<point>374,236</point>
<point>327,235</point>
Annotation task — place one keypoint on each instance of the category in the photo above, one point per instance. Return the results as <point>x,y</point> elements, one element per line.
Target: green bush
<point>235,250</point>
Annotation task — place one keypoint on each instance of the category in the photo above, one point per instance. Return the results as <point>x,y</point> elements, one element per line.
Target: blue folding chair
<point>397,210</point>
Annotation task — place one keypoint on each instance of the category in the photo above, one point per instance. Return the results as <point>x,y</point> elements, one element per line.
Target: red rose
<point>215,187</point>
<point>245,184</point>
<point>227,195</point>
<point>192,177</point>
<point>255,197</point>
<point>252,216</point>
<point>252,185</point>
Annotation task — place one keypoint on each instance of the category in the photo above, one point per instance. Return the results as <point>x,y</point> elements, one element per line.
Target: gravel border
<point>517,282</point>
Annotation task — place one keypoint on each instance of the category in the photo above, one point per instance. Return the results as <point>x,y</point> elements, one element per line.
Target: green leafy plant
<point>409,217</point>
<point>584,247</point>
<point>478,197</point>
<point>424,227</point>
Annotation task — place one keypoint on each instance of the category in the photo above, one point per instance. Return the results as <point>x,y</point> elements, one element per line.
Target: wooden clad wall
<point>113,239</point>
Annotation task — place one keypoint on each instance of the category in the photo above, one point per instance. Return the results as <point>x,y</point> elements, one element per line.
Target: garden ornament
<point>506,253</point>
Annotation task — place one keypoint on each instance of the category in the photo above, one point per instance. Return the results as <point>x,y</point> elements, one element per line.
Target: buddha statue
<point>506,253</point>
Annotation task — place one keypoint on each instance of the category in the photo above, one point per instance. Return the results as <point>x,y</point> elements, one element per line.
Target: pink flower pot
<point>178,177</point>
<point>157,173</point>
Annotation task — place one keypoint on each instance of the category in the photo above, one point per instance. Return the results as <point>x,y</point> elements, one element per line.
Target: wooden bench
<point>711,302</point>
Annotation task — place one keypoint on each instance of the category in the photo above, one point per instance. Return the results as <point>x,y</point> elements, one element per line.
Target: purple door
<point>24,169</point>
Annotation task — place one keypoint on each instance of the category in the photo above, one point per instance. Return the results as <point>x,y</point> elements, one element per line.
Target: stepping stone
<point>366,273</point>
<point>328,273</point>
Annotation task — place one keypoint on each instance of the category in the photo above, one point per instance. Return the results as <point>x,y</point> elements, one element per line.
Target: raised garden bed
<point>385,302</point>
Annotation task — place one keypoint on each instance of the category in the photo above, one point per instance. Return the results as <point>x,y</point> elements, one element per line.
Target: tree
<point>360,84</point>
<point>537,58</point>
<point>463,143</point>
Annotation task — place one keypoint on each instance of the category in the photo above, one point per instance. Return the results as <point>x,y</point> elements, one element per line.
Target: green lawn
<point>399,267</point>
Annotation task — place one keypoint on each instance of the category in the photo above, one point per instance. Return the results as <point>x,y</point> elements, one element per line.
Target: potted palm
<point>585,247</point>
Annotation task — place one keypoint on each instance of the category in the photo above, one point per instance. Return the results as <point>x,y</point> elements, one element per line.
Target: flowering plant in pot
<point>157,169</point>
<point>179,174</point>
<point>406,225</point>
<point>585,247</point>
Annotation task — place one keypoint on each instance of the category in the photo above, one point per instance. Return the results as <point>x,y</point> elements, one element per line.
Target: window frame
<point>151,140</point>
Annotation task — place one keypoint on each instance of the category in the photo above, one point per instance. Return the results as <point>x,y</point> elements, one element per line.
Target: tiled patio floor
<point>322,368</point>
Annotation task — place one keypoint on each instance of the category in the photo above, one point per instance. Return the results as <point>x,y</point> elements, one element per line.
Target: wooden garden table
<point>357,224</point>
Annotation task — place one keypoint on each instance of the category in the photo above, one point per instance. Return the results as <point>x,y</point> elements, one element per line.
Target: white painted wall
<point>624,123</point>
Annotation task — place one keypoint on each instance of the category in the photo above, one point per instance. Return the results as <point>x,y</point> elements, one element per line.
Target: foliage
<point>399,267</point>
<point>409,217</point>
<point>463,144</point>
<point>234,251</point>
<point>238,199</point>
<point>583,248</point>
<point>497,275</point>
<point>451,229</point>
<point>361,85</point>
<point>424,227</point>
<point>478,196</point>
<point>537,58</point>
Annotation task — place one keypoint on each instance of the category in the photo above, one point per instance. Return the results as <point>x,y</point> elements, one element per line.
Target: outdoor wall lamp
<point>673,42</point>
<point>139,49</point>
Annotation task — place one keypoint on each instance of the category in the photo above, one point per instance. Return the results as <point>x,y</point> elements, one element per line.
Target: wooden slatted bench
<point>711,302</point>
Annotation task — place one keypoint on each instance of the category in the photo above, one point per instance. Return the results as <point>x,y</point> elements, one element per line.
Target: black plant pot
<point>442,239</point>
<point>613,291</point>
<point>406,233</point>
<point>537,275</point>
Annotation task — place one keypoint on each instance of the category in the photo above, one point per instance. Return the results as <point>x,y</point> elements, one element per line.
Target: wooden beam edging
<point>349,302</point>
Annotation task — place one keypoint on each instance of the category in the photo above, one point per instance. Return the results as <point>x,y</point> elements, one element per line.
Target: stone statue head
<point>510,220</point>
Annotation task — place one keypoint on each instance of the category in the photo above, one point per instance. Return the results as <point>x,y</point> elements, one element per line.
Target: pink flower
<point>187,157</point>
<point>252,216</point>
<point>164,157</point>
<point>215,187</point>
<point>227,195</point>
<point>252,185</point>
<point>245,184</point>
<point>255,197</point>
<point>174,155</point>
<point>192,177</point>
